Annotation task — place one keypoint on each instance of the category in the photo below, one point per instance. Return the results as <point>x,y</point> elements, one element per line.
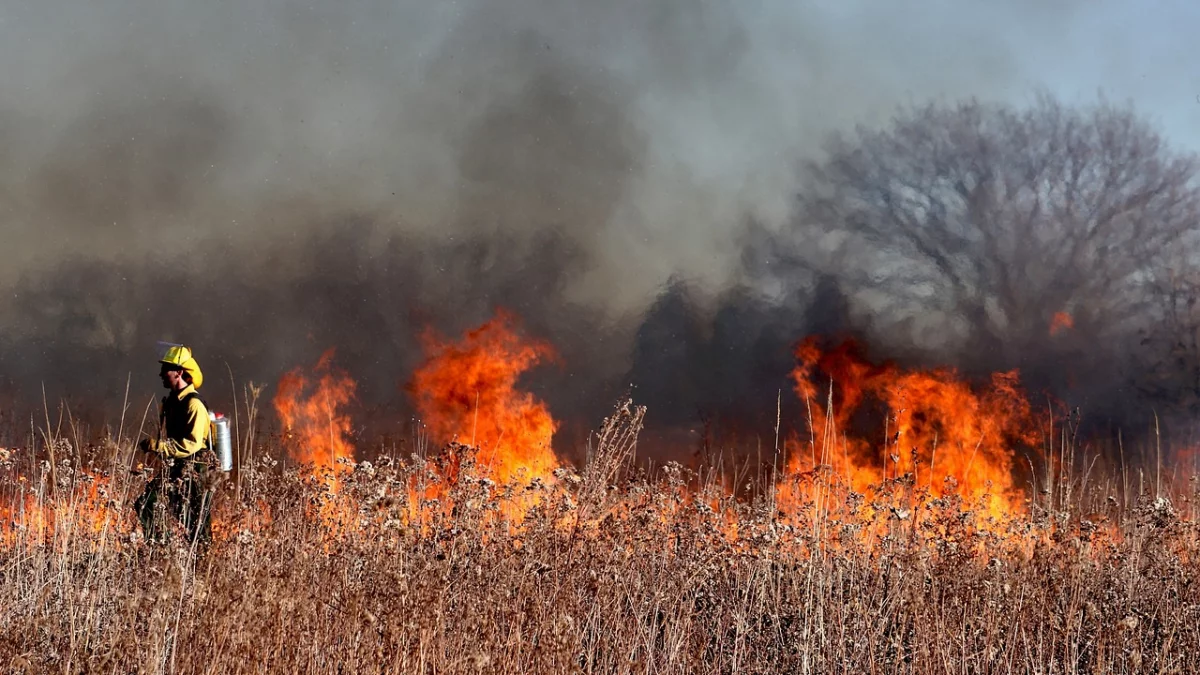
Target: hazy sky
<point>1144,52</point>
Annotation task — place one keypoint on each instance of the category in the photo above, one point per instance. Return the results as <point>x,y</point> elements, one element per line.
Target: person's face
<point>171,377</point>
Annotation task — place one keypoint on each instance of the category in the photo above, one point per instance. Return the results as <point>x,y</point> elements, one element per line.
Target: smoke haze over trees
<point>967,231</point>
<point>1048,239</point>
<point>267,183</point>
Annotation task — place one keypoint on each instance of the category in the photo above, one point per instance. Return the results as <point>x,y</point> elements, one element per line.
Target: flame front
<point>946,436</point>
<point>904,438</point>
<point>467,392</point>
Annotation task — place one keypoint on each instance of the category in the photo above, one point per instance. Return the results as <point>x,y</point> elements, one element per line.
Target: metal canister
<point>222,443</point>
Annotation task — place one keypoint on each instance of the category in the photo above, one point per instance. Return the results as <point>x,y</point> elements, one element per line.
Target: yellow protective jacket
<point>183,424</point>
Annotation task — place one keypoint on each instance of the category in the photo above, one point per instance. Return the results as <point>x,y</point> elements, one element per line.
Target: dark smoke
<point>383,289</point>
<point>723,372</point>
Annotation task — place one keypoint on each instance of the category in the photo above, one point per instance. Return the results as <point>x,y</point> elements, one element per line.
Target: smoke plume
<point>265,181</point>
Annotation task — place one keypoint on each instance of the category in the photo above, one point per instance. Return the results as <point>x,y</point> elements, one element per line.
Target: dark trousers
<point>180,493</point>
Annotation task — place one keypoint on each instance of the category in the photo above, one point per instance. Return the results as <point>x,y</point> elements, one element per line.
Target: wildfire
<point>873,427</point>
<point>948,437</point>
<point>467,392</point>
<point>312,414</point>
<point>46,515</point>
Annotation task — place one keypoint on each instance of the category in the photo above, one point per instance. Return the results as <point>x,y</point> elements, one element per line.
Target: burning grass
<point>609,571</point>
<point>920,554</point>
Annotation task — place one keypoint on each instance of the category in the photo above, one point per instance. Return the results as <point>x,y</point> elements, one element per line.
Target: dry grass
<point>609,573</point>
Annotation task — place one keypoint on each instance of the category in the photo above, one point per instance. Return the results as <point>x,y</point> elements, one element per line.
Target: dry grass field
<point>420,565</point>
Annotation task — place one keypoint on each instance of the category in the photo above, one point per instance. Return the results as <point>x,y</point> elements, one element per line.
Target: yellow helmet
<point>178,355</point>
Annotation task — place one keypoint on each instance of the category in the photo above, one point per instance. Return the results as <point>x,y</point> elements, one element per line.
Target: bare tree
<point>992,227</point>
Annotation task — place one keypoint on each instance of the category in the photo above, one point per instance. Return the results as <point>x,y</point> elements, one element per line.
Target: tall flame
<point>312,412</point>
<point>938,430</point>
<point>467,392</point>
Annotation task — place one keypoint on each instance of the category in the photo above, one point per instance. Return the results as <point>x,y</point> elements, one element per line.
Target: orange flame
<point>1061,321</point>
<point>467,392</point>
<point>83,508</point>
<point>319,428</point>
<point>946,436</point>
<point>316,420</point>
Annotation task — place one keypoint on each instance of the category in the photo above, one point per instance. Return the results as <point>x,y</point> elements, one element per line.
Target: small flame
<point>1060,322</point>
<point>82,510</point>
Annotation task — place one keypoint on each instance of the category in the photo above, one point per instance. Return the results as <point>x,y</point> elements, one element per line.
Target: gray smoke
<point>267,180</point>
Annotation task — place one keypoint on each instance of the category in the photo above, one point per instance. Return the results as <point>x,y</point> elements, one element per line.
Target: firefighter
<point>180,486</point>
